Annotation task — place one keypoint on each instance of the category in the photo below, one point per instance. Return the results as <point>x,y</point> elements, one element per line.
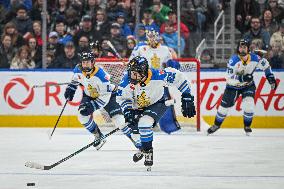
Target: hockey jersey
<point>156,57</point>
<point>137,96</point>
<point>95,85</point>
<point>237,67</point>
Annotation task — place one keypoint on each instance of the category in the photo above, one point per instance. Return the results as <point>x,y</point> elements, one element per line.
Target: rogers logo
<point>26,101</point>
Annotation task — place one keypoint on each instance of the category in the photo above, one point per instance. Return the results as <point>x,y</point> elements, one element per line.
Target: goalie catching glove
<point>187,105</point>
<point>87,108</point>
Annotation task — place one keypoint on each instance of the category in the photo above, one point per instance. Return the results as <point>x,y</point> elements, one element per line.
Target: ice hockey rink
<point>188,160</point>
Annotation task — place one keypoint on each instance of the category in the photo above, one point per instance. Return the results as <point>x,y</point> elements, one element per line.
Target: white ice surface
<point>185,160</point>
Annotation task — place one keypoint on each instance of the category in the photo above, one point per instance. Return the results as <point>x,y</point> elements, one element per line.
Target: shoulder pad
<point>124,81</point>
<point>158,74</point>
<point>233,60</point>
<point>77,69</point>
<point>254,57</point>
<point>102,75</point>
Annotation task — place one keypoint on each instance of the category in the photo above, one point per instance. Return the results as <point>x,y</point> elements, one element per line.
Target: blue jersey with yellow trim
<point>137,96</point>
<point>236,67</point>
<point>95,85</point>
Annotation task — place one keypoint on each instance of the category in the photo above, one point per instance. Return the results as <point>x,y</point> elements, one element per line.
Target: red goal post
<point>189,66</point>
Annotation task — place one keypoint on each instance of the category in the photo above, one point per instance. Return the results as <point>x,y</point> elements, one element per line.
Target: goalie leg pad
<point>168,122</point>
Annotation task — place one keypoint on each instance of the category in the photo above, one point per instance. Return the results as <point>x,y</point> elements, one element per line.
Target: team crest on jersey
<point>155,61</point>
<point>143,100</point>
<point>93,91</point>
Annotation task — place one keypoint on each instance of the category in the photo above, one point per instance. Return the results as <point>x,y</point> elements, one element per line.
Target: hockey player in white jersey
<point>240,82</point>
<point>157,55</point>
<point>142,99</point>
<point>98,93</point>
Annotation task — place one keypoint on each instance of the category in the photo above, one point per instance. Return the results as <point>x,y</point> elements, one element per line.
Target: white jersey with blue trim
<point>237,67</point>
<point>156,57</point>
<point>96,84</point>
<point>137,96</point>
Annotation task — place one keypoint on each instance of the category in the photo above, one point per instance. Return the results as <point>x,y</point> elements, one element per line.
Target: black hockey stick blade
<point>47,167</point>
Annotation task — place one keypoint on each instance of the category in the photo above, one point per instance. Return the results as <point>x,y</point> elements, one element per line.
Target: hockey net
<point>191,69</point>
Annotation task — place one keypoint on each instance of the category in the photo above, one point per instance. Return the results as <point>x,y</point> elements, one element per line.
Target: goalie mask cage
<point>189,66</point>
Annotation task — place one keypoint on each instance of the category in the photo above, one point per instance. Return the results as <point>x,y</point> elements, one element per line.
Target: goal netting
<point>189,66</point>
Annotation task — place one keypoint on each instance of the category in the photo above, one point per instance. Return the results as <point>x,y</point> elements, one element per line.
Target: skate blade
<point>98,147</point>
<point>149,168</point>
<point>248,133</point>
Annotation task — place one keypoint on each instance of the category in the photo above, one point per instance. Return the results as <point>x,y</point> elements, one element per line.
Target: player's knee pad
<point>145,128</point>
<point>146,120</point>
<point>248,104</point>
<point>119,121</point>
<point>84,119</point>
<point>87,122</point>
<point>223,111</point>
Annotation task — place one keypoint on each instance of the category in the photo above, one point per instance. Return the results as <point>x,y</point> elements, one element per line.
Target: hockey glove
<point>187,105</point>
<point>272,81</point>
<point>246,78</point>
<point>87,108</point>
<point>70,92</point>
<point>129,116</point>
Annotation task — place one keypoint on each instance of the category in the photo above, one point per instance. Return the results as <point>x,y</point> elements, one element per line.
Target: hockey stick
<point>52,84</point>
<point>114,50</point>
<point>116,53</point>
<point>47,167</point>
<point>58,119</point>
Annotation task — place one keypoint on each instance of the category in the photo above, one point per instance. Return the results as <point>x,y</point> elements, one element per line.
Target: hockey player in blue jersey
<point>240,82</point>
<point>98,93</point>
<point>142,99</point>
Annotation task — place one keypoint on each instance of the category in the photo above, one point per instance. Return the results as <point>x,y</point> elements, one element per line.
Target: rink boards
<point>24,106</point>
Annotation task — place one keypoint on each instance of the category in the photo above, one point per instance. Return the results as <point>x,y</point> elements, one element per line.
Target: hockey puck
<point>31,184</point>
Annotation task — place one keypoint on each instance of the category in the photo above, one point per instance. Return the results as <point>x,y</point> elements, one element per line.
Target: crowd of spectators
<point>74,24</point>
<point>262,23</point>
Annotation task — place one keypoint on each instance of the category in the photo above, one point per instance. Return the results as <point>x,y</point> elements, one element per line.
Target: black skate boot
<point>247,130</point>
<point>138,156</point>
<point>212,129</point>
<point>148,159</point>
<point>98,141</point>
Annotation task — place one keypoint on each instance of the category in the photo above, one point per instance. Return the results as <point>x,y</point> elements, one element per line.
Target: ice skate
<point>247,130</point>
<point>138,156</point>
<point>212,129</point>
<point>98,141</point>
<point>148,159</point>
